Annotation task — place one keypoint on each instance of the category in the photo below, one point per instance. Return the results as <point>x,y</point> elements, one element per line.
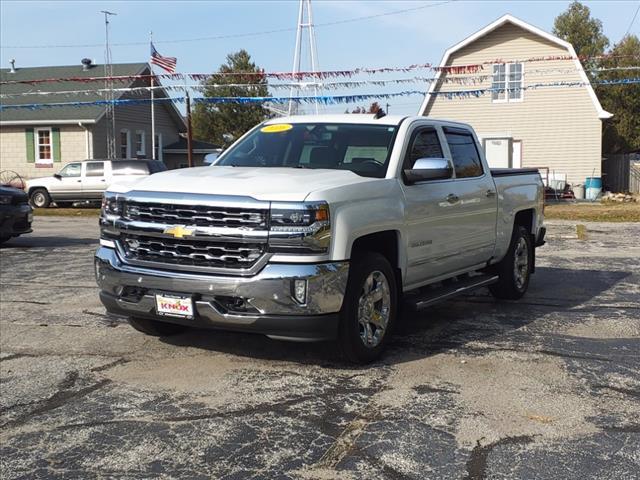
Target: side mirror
<point>428,169</point>
<point>58,176</point>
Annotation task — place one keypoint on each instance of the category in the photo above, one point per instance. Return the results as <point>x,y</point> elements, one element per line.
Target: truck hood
<point>276,184</point>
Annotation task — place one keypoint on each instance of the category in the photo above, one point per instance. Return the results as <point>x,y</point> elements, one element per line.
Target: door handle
<point>452,198</point>
<point>78,181</point>
<point>490,193</point>
<point>103,180</point>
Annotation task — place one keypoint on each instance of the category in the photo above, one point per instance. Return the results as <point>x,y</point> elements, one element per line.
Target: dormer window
<point>508,83</point>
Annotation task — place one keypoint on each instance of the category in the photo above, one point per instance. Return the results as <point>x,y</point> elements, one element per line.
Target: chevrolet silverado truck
<point>317,228</point>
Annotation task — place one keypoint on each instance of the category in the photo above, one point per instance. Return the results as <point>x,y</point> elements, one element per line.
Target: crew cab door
<point>473,198</point>
<point>68,184</point>
<point>428,216</point>
<point>94,180</point>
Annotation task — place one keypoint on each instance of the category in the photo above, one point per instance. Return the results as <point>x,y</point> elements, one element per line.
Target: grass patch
<point>594,212</point>
<point>66,212</point>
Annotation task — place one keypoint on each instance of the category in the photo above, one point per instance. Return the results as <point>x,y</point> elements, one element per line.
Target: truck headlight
<point>300,228</point>
<point>110,205</point>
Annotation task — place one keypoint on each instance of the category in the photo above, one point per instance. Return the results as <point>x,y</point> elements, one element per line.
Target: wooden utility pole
<point>189,134</point>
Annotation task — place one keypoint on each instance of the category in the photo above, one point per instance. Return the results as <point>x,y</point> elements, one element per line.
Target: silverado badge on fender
<point>179,231</point>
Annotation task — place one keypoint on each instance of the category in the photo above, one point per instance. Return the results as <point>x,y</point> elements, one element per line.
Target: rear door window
<point>95,169</point>
<point>464,152</point>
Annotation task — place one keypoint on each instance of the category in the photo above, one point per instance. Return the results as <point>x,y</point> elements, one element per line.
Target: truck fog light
<point>300,291</point>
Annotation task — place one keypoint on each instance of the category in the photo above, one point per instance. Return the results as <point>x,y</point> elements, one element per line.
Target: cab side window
<point>71,170</point>
<point>466,159</point>
<point>425,144</point>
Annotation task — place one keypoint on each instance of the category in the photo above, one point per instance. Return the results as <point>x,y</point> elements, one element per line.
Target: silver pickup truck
<point>316,228</point>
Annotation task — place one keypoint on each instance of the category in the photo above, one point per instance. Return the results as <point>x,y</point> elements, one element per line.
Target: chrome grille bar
<point>205,216</point>
<point>191,253</point>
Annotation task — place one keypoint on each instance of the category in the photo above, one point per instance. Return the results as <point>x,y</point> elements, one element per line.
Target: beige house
<point>559,128</point>
<point>38,142</point>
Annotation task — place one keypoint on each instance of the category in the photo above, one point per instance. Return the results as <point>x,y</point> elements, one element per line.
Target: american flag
<point>167,63</point>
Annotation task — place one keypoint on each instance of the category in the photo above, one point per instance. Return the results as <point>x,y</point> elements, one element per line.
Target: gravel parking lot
<point>548,387</point>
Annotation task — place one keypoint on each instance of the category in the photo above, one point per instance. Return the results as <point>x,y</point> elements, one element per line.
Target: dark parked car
<point>15,213</point>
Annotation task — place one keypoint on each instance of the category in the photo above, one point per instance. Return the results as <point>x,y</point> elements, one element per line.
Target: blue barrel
<point>592,187</point>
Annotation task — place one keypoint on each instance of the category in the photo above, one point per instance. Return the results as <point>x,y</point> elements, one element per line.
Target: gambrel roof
<point>602,114</point>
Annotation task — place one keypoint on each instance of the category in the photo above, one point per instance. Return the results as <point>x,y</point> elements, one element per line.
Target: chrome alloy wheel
<point>374,309</point>
<point>521,263</point>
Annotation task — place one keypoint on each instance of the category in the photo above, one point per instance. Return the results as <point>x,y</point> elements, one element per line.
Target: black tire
<point>4,239</point>
<point>351,329</point>
<point>512,286</point>
<point>39,198</point>
<point>156,328</point>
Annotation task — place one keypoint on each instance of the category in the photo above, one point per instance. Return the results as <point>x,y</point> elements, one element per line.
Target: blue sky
<point>419,36</point>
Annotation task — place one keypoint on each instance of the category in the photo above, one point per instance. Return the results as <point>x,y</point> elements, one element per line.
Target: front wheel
<point>369,309</point>
<point>40,198</point>
<point>156,328</point>
<point>514,270</point>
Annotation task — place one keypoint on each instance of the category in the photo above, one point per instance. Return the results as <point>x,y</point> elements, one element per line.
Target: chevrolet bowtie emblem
<point>179,231</point>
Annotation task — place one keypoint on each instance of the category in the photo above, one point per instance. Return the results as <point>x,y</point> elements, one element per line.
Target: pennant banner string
<point>461,80</point>
<point>453,69</point>
<point>322,99</point>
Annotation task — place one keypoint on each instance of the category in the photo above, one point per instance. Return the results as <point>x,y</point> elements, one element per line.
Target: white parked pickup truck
<point>315,228</point>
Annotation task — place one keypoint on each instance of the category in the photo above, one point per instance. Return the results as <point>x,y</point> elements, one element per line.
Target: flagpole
<point>153,112</point>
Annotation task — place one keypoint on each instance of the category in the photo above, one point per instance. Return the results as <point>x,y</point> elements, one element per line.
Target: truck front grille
<point>209,254</point>
<point>196,215</point>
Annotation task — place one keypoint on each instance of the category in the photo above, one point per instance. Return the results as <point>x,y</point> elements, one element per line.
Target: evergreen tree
<point>214,122</point>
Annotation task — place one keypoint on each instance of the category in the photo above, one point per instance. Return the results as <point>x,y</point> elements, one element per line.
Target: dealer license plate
<point>174,306</point>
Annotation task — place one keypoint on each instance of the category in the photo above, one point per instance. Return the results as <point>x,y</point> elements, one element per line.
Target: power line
<point>238,35</point>
<point>633,20</point>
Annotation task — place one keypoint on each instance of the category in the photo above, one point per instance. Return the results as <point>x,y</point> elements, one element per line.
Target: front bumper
<point>15,220</point>
<point>263,303</point>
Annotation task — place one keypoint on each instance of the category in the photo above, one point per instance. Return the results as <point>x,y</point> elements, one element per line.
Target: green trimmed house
<point>38,142</point>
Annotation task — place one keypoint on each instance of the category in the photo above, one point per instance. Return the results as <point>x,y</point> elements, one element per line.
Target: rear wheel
<point>369,309</point>
<point>514,271</point>
<point>4,239</point>
<point>156,328</point>
<point>40,198</point>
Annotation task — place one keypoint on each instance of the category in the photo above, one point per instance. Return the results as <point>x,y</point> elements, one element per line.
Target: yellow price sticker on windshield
<point>279,127</point>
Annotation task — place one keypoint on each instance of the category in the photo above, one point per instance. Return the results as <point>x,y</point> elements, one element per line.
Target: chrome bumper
<point>268,304</point>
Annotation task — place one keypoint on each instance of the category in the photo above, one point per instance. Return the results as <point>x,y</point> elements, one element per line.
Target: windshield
<point>363,149</point>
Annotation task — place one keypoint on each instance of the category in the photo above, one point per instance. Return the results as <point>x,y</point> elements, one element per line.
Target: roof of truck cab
<point>341,118</point>
<point>364,119</point>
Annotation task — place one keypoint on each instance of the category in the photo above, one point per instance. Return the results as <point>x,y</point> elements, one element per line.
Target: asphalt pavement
<point>545,388</point>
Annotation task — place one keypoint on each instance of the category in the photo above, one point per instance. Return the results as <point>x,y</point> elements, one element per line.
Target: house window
<point>44,146</point>
<point>140,147</point>
<point>508,82</point>
<point>125,144</point>
<point>157,154</point>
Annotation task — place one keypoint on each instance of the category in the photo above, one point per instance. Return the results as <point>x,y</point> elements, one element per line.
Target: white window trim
<point>144,143</point>
<point>36,139</point>
<point>506,99</point>
<point>158,145</point>
<point>128,132</point>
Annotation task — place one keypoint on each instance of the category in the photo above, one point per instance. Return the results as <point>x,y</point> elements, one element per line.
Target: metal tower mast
<point>304,11</point>
<point>108,85</point>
